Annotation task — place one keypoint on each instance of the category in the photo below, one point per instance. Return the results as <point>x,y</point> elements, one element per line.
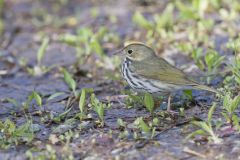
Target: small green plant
<point>70,81</point>
<point>132,99</point>
<point>148,130</point>
<point>87,41</point>
<point>230,105</point>
<point>193,11</point>
<point>33,96</point>
<point>54,95</point>
<point>39,69</point>
<point>149,102</point>
<point>11,134</point>
<point>197,57</point>
<point>235,67</point>
<point>161,25</point>
<point>213,60</point>
<point>48,153</point>
<point>121,123</point>
<point>99,108</point>
<point>82,101</point>
<point>188,94</point>
<point>141,21</point>
<point>206,127</point>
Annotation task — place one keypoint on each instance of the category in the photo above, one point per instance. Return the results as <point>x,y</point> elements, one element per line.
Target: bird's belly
<point>141,84</point>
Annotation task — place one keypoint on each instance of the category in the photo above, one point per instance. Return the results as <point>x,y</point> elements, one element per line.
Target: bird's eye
<point>130,51</point>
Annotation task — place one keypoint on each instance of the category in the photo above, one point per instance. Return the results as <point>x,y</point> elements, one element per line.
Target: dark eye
<point>130,51</point>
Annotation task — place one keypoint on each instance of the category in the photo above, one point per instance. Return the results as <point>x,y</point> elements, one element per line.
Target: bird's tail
<point>203,87</point>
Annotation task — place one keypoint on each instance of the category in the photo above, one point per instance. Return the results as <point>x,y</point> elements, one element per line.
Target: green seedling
<point>164,21</point>
<point>141,21</point>
<point>230,105</point>
<point>86,42</point>
<point>33,96</point>
<point>42,50</point>
<point>82,101</point>
<point>53,96</point>
<point>149,102</point>
<point>213,60</point>
<point>12,101</point>
<point>99,108</point>
<point>39,69</point>
<point>188,94</point>
<point>145,128</point>
<point>197,57</point>
<point>70,81</point>
<point>36,97</point>
<point>123,135</point>
<point>15,135</point>
<point>193,11</point>
<point>206,127</point>
<point>47,153</point>
<point>235,67</point>
<point>132,99</point>
<point>61,116</point>
<point>121,123</point>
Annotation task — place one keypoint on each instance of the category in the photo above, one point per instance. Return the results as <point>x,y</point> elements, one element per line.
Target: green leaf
<point>69,39</point>
<point>12,101</point>
<point>149,102</point>
<point>57,94</point>
<point>227,101</point>
<point>82,100</point>
<point>225,115</point>
<point>95,45</point>
<point>42,50</point>
<point>38,98</point>
<point>195,133</point>
<point>203,125</point>
<point>69,80</point>
<point>188,94</point>
<point>235,119</point>
<point>100,111</point>
<point>35,96</point>
<point>235,103</point>
<point>98,107</point>
<point>144,127</point>
<point>121,123</point>
<point>210,112</point>
<point>140,20</point>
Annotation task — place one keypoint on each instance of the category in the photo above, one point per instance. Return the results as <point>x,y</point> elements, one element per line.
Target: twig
<point>192,152</point>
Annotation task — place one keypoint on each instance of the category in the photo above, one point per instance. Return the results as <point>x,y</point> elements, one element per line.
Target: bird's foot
<point>172,112</point>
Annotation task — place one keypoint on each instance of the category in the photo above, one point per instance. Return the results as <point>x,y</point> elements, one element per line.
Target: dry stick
<point>192,152</point>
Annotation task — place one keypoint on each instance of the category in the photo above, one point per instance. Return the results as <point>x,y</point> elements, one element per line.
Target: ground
<point>51,50</point>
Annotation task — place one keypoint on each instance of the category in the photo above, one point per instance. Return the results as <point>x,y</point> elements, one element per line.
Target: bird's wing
<point>159,69</point>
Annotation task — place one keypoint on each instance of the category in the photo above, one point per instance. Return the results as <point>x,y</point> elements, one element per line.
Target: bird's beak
<point>116,52</point>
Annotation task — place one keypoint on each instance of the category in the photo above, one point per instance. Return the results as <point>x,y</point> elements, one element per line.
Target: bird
<point>145,72</point>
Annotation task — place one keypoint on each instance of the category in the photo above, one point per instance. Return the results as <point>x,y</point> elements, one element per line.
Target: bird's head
<point>138,51</point>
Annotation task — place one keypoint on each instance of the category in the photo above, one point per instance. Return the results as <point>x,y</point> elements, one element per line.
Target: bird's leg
<point>169,103</point>
<point>169,106</point>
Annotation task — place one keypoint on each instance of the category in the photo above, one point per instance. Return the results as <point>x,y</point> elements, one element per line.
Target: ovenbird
<point>145,72</point>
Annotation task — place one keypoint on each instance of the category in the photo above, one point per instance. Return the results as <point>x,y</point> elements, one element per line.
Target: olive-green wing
<point>159,69</point>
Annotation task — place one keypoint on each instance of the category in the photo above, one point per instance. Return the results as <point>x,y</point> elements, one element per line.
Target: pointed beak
<point>116,52</point>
